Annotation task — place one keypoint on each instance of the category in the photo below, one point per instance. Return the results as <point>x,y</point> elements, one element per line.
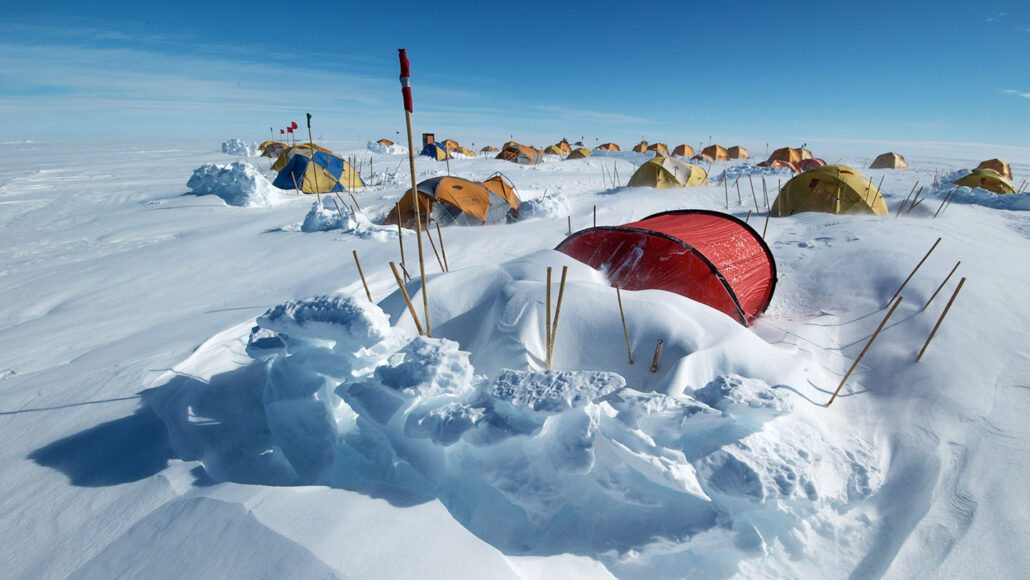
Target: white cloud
<point>1013,92</point>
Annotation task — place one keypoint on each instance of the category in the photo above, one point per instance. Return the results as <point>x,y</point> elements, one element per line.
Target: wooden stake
<point>740,200</point>
<point>432,244</point>
<point>354,200</point>
<point>880,184</point>
<point>766,226</point>
<point>570,225</point>
<point>547,323</point>
<point>337,208</point>
<point>407,299</point>
<point>418,222</point>
<point>657,353</point>
<point>557,311</point>
<point>615,167</point>
<point>864,350</point>
<point>748,217</point>
<point>726,189</point>
<point>362,274</point>
<point>625,331</point>
<point>914,201</point>
<point>935,292</point>
<point>906,200</point>
<point>900,288</point>
<point>941,319</point>
<point>951,198</point>
<point>947,196</point>
<point>442,249</point>
<point>765,194</point>
<point>407,276</point>
<point>753,196</point>
<point>595,216</point>
<point>400,236</point>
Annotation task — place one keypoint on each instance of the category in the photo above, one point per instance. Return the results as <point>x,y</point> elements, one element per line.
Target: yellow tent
<point>829,189</point>
<point>659,149</point>
<point>466,151</point>
<point>998,165</point>
<point>303,148</point>
<point>564,146</point>
<point>790,155</point>
<point>608,147</point>
<point>988,179</point>
<point>889,160</point>
<point>553,150</point>
<point>716,152</point>
<point>738,152</point>
<point>272,148</point>
<point>581,153</point>
<point>663,172</point>
<point>683,150</point>
<point>450,144</point>
<point>640,147</point>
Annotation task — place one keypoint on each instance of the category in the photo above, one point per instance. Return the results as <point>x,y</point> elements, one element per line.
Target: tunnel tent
<point>836,189</point>
<point>707,256</point>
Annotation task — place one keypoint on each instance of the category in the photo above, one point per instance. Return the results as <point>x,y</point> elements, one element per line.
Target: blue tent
<point>320,173</point>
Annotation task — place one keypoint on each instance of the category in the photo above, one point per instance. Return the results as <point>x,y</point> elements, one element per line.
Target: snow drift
<point>238,184</point>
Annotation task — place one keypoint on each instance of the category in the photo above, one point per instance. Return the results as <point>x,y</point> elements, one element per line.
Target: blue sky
<point>481,71</point>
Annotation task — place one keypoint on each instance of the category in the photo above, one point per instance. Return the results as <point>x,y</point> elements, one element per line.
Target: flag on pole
<point>282,131</point>
<point>293,125</point>
<point>405,80</point>
<point>309,120</point>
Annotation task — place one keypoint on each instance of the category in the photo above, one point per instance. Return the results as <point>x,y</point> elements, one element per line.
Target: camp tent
<point>510,144</point>
<point>318,172</point>
<point>683,150</point>
<point>889,160</point>
<point>386,142</point>
<point>664,172</point>
<point>452,200</point>
<point>581,153</point>
<point>778,163</point>
<point>466,151</point>
<point>806,164</point>
<point>702,157</point>
<point>553,150</point>
<point>521,154</point>
<point>303,149</point>
<point>790,155</point>
<point>640,147</point>
<point>500,186</point>
<point>488,149</point>
<point>1004,169</point>
<point>564,146</point>
<point>272,149</point>
<point>709,257</point>
<point>988,179</point>
<point>608,147</point>
<point>659,149</point>
<point>435,151</point>
<point>716,152</point>
<point>450,144</point>
<point>738,152</point>
<point>829,189</point>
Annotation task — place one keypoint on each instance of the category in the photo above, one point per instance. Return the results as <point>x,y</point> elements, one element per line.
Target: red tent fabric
<point>707,256</point>
<point>806,164</point>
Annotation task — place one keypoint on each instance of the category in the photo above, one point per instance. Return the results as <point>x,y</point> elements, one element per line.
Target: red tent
<point>806,164</point>
<point>707,256</point>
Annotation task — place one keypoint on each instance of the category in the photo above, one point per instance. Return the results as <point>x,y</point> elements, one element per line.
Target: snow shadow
<point>120,451</point>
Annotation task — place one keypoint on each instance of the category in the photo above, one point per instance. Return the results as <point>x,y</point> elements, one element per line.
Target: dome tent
<point>452,200</point>
<point>663,172</point>
<point>889,160</point>
<point>1003,168</point>
<point>318,172</point>
<point>988,179</point>
<point>683,150</point>
<point>435,151</point>
<point>707,256</point>
<point>580,153</point>
<point>716,152</point>
<point>829,189</point>
<point>738,152</point>
<point>608,147</point>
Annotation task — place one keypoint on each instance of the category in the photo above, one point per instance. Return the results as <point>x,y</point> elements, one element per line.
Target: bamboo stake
<point>864,350</point>
<point>880,184</point>
<point>407,299</point>
<point>547,323</point>
<point>935,292</point>
<point>766,226</point>
<point>906,200</point>
<point>953,196</point>
<point>914,200</point>
<point>337,208</point>
<point>615,166</point>
<point>753,196</point>
<point>914,206</point>
<point>595,216</point>
<point>557,311</point>
<point>625,331</point>
<point>570,225</point>
<point>726,189</point>
<point>944,201</point>
<point>407,276</point>
<point>748,217</point>
<point>418,215</point>
<point>432,244</point>
<point>740,200</point>
<point>354,200</point>
<point>941,319</point>
<point>443,250</point>
<point>400,235</point>
<point>362,274</point>
<point>932,248</point>
<point>657,353</point>
<point>765,194</point>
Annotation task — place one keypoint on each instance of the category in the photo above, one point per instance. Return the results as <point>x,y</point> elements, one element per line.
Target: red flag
<point>289,129</point>
<point>293,125</point>
<point>282,131</point>
<point>405,80</point>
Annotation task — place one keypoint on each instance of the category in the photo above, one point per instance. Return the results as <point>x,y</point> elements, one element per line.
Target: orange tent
<point>385,142</point>
<point>716,152</point>
<point>659,149</point>
<point>640,147</point>
<point>454,200</point>
<point>608,147</point>
<point>521,154</point>
<point>683,151</point>
<point>738,152</point>
<point>1004,169</point>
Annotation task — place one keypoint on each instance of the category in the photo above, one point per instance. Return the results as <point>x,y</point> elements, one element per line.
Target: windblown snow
<point>195,389</point>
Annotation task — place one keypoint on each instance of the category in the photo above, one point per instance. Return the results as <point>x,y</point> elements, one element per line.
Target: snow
<point>237,184</point>
<point>383,148</point>
<point>238,147</point>
<point>196,389</point>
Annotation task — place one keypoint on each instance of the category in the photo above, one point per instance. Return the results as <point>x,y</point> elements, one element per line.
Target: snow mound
<point>377,147</point>
<point>237,184</point>
<point>551,205</point>
<point>237,147</point>
<point>742,171</point>
<point>321,218</point>
<point>669,476</point>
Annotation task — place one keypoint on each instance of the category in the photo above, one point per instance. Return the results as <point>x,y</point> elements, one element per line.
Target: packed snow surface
<point>191,389</point>
<point>237,146</point>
